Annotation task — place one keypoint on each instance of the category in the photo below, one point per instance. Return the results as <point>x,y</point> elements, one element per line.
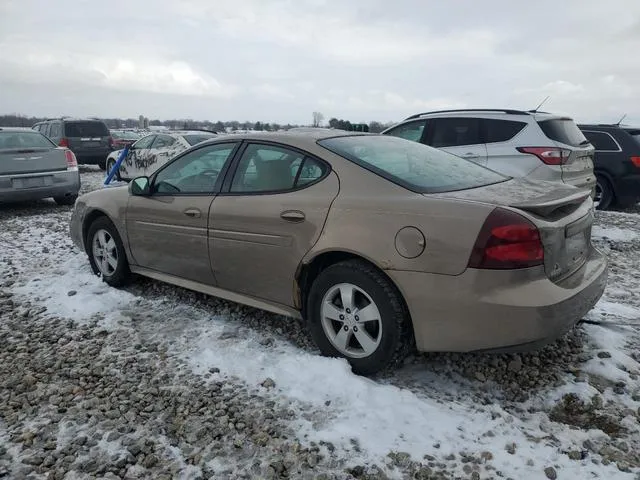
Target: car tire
<point>604,193</point>
<point>68,200</point>
<point>106,252</point>
<point>102,164</point>
<point>387,338</point>
<point>110,164</point>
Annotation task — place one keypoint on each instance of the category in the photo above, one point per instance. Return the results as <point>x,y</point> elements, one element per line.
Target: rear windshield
<point>125,135</point>
<point>563,130</point>
<point>193,139</point>
<point>412,165</point>
<point>86,129</point>
<point>20,140</point>
<point>635,134</point>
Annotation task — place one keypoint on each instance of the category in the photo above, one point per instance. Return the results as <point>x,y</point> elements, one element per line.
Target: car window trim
<point>612,138</point>
<point>221,176</point>
<point>226,188</point>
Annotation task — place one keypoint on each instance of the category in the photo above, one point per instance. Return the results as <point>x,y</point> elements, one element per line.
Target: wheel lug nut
<point>348,311</point>
<point>346,328</point>
<point>341,317</point>
<point>355,329</point>
<point>357,318</point>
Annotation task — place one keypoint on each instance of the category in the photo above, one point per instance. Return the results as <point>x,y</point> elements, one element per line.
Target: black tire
<point>69,200</point>
<point>605,191</point>
<point>121,273</point>
<point>110,164</point>
<point>396,339</point>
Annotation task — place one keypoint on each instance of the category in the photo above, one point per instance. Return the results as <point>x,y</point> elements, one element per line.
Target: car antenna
<point>620,121</point>
<point>541,103</point>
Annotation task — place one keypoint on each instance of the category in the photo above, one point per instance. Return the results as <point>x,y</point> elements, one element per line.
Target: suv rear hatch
<point>562,214</point>
<point>578,153</point>
<point>87,137</point>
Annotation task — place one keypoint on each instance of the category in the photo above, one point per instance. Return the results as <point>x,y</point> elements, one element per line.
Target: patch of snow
<point>615,233</point>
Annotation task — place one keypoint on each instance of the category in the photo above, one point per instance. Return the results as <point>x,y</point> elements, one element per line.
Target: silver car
<point>32,167</point>
<point>531,144</point>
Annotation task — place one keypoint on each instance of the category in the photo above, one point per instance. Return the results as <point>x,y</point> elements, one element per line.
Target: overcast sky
<point>279,60</point>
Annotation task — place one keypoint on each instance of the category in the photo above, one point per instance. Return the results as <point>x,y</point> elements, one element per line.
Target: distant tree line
<point>17,120</point>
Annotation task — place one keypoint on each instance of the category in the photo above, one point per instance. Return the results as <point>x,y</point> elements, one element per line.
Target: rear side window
<point>21,140</point>
<point>601,141</point>
<point>55,130</point>
<point>163,141</point>
<point>413,165</point>
<point>409,131</point>
<point>453,132</point>
<point>86,129</point>
<point>194,139</point>
<point>501,130</point>
<point>563,130</point>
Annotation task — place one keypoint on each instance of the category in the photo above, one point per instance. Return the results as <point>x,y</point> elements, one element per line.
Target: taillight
<point>636,161</point>
<point>507,241</point>
<point>549,155</point>
<point>111,142</point>
<point>72,162</point>
<point>64,142</point>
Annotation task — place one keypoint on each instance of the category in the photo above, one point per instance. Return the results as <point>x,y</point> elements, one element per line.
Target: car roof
<point>299,138</point>
<point>18,129</point>
<point>605,126</point>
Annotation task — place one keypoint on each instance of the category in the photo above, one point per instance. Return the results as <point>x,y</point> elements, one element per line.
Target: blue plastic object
<point>116,166</point>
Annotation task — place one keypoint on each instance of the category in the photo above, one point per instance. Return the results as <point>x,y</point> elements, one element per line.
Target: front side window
<point>194,172</point>
<point>601,141</point>
<point>269,168</point>
<point>453,132</point>
<point>163,141</point>
<point>409,131</point>
<point>415,166</point>
<point>144,142</point>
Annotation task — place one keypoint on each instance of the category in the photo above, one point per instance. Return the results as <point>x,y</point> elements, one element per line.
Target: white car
<point>531,144</point>
<point>151,152</point>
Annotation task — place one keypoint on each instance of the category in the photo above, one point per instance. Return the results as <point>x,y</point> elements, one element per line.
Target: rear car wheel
<point>604,193</point>
<point>106,252</point>
<point>68,200</point>
<point>356,313</point>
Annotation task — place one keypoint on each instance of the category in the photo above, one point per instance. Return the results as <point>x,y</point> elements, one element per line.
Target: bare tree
<point>317,119</point>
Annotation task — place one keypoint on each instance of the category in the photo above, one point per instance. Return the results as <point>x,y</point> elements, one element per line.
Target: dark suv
<point>89,139</point>
<point>616,164</point>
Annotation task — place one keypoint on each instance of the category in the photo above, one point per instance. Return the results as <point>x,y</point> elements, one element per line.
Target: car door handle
<point>292,216</point>
<point>470,155</point>
<point>192,212</point>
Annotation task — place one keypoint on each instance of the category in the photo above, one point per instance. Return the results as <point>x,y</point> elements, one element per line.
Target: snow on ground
<point>571,409</point>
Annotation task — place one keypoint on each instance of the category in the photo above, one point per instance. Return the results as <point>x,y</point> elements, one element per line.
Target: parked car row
<point>382,245</point>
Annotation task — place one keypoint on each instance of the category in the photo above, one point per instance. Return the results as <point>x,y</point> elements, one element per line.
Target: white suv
<point>515,143</point>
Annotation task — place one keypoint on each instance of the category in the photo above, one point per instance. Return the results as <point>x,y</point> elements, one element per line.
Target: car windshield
<point>125,135</point>
<point>86,129</point>
<point>415,166</point>
<point>193,139</point>
<point>12,140</point>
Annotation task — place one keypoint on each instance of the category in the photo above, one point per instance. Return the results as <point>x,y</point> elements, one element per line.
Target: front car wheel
<point>106,252</point>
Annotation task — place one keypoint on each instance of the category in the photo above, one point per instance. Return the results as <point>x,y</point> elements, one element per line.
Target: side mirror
<point>140,186</point>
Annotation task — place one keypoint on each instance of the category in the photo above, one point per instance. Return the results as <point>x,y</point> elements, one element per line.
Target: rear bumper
<point>498,310</point>
<point>627,190</point>
<point>54,184</point>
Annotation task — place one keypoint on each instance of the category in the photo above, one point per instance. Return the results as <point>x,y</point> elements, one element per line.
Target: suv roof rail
<point>190,130</point>
<point>502,110</point>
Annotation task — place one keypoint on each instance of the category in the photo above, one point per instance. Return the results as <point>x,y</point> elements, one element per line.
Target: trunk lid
<point>15,161</point>
<point>562,213</point>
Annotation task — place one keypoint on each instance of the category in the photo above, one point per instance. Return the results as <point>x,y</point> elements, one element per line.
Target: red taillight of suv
<point>72,162</point>
<point>507,240</point>
<point>548,155</point>
<point>636,161</point>
<point>111,142</point>
<point>64,142</point>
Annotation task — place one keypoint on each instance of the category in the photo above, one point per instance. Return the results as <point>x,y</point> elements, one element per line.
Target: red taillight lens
<point>111,142</point>
<point>636,161</point>
<point>64,143</point>
<point>72,162</point>
<point>549,155</point>
<point>507,240</point>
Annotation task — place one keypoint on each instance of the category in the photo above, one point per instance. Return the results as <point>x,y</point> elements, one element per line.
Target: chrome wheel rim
<point>105,253</point>
<point>351,320</point>
<point>598,196</point>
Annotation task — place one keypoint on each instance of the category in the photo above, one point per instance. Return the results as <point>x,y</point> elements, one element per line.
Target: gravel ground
<point>159,382</point>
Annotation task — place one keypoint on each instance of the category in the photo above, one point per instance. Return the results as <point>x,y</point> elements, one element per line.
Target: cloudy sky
<point>279,60</point>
